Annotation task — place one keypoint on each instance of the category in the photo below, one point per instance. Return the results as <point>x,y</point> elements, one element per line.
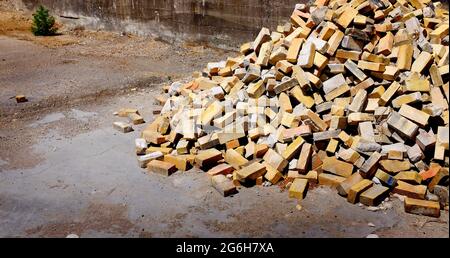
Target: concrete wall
<point>225,23</point>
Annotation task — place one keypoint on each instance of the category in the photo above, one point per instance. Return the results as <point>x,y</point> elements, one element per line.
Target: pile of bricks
<point>348,94</point>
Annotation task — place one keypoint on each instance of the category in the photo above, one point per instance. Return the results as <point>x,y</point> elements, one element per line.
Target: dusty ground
<point>63,169</point>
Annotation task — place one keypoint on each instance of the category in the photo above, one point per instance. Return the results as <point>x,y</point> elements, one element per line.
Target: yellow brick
<point>415,115</point>
<point>298,94</point>
<point>294,50</point>
<point>371,66</point>
<point>357,189</point>
<point>421,62</point>
<point>293,148</point>
<point>347,17</point>
<point>337,167</point>
<point>298,188</point>
<point>422,207</point>
<point>346,54</point>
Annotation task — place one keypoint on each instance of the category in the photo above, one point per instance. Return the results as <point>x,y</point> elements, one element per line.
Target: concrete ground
<point>64,170</point>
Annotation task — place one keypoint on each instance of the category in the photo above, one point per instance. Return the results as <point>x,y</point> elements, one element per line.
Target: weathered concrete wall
<point>217,22</point>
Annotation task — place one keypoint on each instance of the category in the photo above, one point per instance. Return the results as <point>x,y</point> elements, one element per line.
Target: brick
<point>344,187</point>
<point>124,112</point>
<point>298,188</point>
<point>366,131</point>
<point>332,146</point>
<point>438,99</point>
<point>208,158</point>
<point>411,177</point>
<point>293,148</point>
<point>263,36</point>
<point>336,68</point>
<point>406,99</point>
<point>289,120</point>
<point>439,33</point>
<point>330,180</point>
<point>405,56</point>
<point>316,120</point>
<point>211,112</point>
<point>334,42</point>
<point>402,125</point>
<point>422,207</point>
<point>208,141</point>
<point>425,140</point>
<point>235,159</point>
<point>356,190</point>
<point>140,146</point>
<point>301,97</point>
<point>277,55</point>
<point>442,137</point>
<point>347,17</point>
<point>395,155</point>
<point>181,161</point>
<point>370,166</point>
<point>353,68</point>
<point>333,83</point>
<point>355,118</point>
<point>264,54</point>
<point>385,178</point>
<point>430,172</point>
<point>385,44</point>
<point>164,150</point>
<point>415,84</point>
<point>275,160</point>
<point>290,134</point>
<point>223,185</point>
<point>320,61</point>
<point>306,56</point>
<point>304,159</point>
<point>272,175</point>
<point>337,167</point>
<point>412,191</point>
<point>251,172</point>
<point>348,155</point>
<point>286,85</point>
<point>294,50</point>
<point>221,169</point>
<point>341,90</point>
<point>374,195</point>
<point>326,135</point>
<point>161,167</point>
<point>285,103</point>
<point>371,66</point>
<point>395,166</point>
<point>122,127</point>
<point>300,76</point>
<point>345,138</point>
<point>145,159</point>
<point>440,176</point>
<point>435,75</point>
<point>348,54</point>
<point>415,115</point>
<point>421,62</point>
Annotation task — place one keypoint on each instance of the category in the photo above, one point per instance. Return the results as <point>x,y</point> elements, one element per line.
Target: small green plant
<point>43,23</point>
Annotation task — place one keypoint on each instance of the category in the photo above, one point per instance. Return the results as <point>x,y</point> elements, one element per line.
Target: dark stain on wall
<point>219,22</point>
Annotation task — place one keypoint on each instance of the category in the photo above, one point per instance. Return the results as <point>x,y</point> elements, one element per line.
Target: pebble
<point>376,181</point>
<point>373,208</point>
<point>370,224</point>
<point>372,236</point>
<point>72,236</point>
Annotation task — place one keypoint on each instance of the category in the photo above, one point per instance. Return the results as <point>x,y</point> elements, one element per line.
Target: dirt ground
<point>64,170</point>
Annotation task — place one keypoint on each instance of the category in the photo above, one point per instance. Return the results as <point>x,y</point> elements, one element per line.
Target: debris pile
<point>349,94</point>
